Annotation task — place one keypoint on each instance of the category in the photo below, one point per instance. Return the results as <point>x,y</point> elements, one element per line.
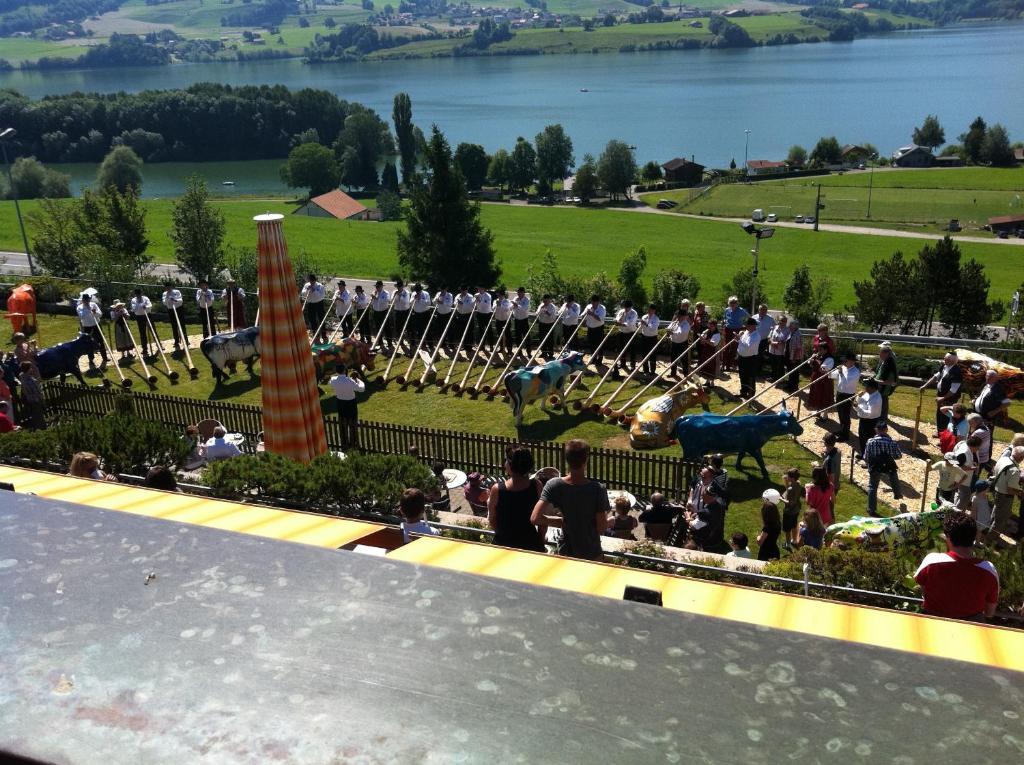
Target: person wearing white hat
<point>771,526</point>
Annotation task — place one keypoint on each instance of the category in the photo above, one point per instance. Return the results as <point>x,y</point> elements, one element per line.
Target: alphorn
<point>579,324</point>
<point>606,408</point>
<point>491,390</point>
<point>404,379</point>
<point>455,357</point>
<point>231,312</point>
<point>150,377</point>
<point>586,403</point>
<point>474,390</point>
<point>819,412</point>
<point>125,382</point>
<point>554,400</point>
<point>192,371</point>
<point>323,323</point>
<point>540,345</point>
<point>256,321</point>
<point>461,386</point>
<point>384,323</point>
<point>160,347</point>
<point>437,348</point>
<point>805,387</point>
<point>620,414</point>
<point>920,403</point>
<point>398,344</point>
<point>767,388</point>
<point>341,322</point>
<point>359,321</point>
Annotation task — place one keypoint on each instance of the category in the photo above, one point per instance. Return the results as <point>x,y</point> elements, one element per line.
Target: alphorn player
<point>400,313</point>
<point>521,319</point>
<point>547,312</point>
<point>649,338</point>
<point>313,308</point>
<point>502,314</point>
<point>343,307</point>
<point>445,302</point>
<point>570,320</point>
<point>421,307</point>
<point>625,321</point>
<point>173,302</point>
<point>484,309</point>
<point>594,322</point>
<point>204,302</point>
<point>234,304</point>
<point>380,302</point>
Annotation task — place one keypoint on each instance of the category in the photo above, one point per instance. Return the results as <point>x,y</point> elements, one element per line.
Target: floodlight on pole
<point>759,233</point>
<point>5,134</point>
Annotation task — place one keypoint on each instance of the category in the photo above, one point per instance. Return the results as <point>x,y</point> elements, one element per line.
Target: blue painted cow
<point>63,360</point>
<point>525,386</point>
<point>701,434</point>
<point>228,348</point>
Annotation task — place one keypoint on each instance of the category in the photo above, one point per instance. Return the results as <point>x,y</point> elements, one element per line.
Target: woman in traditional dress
<point>122,338</point>
<point>710,340</point>
<point>819,395</point>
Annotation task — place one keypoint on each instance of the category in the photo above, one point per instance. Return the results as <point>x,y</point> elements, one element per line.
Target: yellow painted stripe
<point>942,638</point>
<point>304,528</point>
<point>883,628</point>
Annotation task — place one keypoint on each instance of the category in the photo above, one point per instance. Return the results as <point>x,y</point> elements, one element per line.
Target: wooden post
<point>917,417</point>
<point>853,460</point>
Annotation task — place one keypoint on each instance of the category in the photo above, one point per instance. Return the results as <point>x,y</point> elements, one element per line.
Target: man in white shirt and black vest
<point>521,318</point>
<point>343,308</point>
<point>173,302</point>
<point>345,389</point>
<point>140,306</point>
<point>846,376</point>
<point>484,309</point>
<point>314,309</point>
<point>421,307</point>
<point>361,307</point>
<point>445,302</point>
<point>204,302</point>
<point>462,327</point>
<point>503,319</point>
<point>380,302</point>
<point>89,315</point>
<point>626,321</point>
<point>547,314</point>
<point>948,379</point>
<point>648,339</point>
<point>594,322</point>
<point>570,320</point>
<point>403,304</point>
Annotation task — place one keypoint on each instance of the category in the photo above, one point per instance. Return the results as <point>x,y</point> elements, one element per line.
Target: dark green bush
<point>48,289</point>
<point>860,569</point>
<point>362,483</point>
<point>38,446</point>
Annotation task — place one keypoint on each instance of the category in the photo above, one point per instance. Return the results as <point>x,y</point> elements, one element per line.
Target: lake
<point>665,103</point>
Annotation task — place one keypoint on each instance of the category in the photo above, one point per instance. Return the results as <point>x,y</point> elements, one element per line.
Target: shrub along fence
<point>635,472</point>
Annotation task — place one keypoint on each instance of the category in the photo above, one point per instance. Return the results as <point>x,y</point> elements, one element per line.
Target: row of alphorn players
<point>485,316</point>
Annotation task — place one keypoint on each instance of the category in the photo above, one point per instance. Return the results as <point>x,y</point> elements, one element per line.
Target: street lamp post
<point>759,233</point>
<point>746,150</point>
<point>4,135</point>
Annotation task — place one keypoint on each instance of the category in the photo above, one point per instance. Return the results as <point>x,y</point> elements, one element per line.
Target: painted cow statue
<point>524,386</point>
<point>701,434</point>
<point>63,360</point>
<point>228,348</point>
<point>911,533</point>
<point>651,426</point>
<point>353,353</point>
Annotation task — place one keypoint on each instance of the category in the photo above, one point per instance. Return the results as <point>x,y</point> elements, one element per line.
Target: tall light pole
<point>759,233</point>
<point>746,150</point>
<point>4,136</point>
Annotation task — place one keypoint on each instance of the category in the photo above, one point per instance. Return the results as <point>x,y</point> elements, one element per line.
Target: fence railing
<point>638,473</point>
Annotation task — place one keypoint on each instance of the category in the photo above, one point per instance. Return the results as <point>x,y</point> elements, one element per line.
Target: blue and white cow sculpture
<point>701,434</point>
<point>229,348</point>
<point>524,386</point>
<point>63,360</point>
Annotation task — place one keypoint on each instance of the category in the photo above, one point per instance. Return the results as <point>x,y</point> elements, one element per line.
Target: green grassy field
<point>17,49</point>
<point>912,199</point>
<point>583,240</point>
<point>436,409</point>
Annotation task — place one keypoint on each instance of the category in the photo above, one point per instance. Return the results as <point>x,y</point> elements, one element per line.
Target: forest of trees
<point>25,16</point>
<point>120,50</point>
<point>204,122</point>
<point>939,11</point>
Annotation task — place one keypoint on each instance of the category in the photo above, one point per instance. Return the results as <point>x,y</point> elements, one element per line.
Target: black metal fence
<point>635,472</point>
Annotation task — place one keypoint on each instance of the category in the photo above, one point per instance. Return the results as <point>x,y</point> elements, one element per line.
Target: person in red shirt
<point>957,585</point>
<point>6,423</point>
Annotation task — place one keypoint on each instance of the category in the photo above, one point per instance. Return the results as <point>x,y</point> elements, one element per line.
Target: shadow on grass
<point>551,429</point>
<point>235,386</point>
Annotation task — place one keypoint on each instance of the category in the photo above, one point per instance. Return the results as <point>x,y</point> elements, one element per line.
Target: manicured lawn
<point>435,409</point>
<point>912,207</point>
<point>980,178</point>
<point>584,240</point>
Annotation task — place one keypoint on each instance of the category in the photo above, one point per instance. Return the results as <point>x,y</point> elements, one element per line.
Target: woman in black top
<point>768,539</point>
<point>510,503</point>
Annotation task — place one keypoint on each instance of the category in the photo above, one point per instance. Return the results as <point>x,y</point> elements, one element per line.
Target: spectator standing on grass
<point>846,375</point>
<point>25,351</point>
<point>735,320</point>
<point>791,497</point>
<point>778,339</point>
<point>948,381</point>
<point>886,375</point>
<point>1007,484</point>
<point>869,413</point>
<point>951,476</point>
<point>832,461</point>
<point>748,348</point>
<point>881,454</point>
<point>413,505</point>
<point>956,584</point>
<point>820,495</point>
<point>510,504</point>
<point>812,530</point>
<point>771,526</point>
<point>794,356</point>
<point>822,339</point>
<point>981,508</point>
<point>765,325</point>
<point>992,402</point>
<point>576,503</point>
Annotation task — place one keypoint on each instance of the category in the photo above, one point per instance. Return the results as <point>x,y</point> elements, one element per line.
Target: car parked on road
<point>773,218</point>
<point>798,219</point>
<point>809,219</point>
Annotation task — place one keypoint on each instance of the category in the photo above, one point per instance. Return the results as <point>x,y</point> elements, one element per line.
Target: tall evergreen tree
<point>522,165</point>
<point>443,241</point>
<point>197,231</point>
<point>554,156</point>
<point>974,140</point>
<point>401,114</point>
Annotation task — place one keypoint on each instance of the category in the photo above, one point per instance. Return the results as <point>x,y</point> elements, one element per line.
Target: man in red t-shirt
<point>6,423</point>
<point>955,583</point>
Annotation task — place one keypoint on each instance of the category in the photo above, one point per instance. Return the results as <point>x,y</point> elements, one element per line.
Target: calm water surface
<point>665,103</point>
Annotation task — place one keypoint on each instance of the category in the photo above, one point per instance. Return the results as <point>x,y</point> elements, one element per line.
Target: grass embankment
<point>915,200</point>
<point>432,408</point>
<point>584,240</point>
